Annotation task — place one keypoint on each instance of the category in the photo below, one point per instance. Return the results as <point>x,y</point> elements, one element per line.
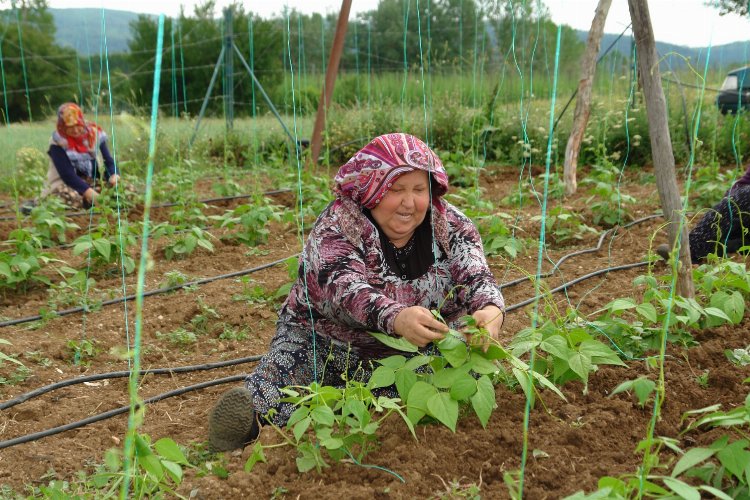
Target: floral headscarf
<point>74,133</point>
<point>371,172</point>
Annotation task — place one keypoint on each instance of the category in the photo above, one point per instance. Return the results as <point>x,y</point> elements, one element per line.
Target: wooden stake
<point>661,143</point>
<point>583,103</point>
<point>331,72</point>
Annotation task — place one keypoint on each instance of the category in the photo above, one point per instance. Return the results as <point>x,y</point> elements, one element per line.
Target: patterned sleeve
<point>468,266</point>
<point>337,284</point>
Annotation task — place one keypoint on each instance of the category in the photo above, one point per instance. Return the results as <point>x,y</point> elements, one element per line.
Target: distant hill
<point>82,29</point>
<point>722,56</point>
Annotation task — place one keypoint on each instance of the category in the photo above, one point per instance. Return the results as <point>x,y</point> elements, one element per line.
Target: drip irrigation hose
<point>579,252</point>
<point>564,286</point>
<point>118,411</point>
<point>166,205</point>
<point>149,293</point>
<point>112,413</point>
<point>121,374</point>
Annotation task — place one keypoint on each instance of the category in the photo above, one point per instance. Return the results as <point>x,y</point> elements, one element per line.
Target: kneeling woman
<point>379,258</point>
<point>74,169</point>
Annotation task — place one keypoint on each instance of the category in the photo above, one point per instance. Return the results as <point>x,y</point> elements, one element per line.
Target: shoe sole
<point>232,423</point>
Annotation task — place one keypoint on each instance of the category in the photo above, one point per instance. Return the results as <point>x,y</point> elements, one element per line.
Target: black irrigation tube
<point>149,293</point>
<point>579,252</point>
<point>564,286</point>
<point>112,413</point>
<point>122,374</point>
<point>166,205</point>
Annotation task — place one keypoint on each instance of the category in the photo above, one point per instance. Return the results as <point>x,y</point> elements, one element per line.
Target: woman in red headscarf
<point>384,253</point>
<point>73,173</point>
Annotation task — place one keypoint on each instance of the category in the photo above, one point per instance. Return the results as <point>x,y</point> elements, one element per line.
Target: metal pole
<point>331,72</point>
<point>263,93</point>
<point>208,94</point>
<point>228,69</point>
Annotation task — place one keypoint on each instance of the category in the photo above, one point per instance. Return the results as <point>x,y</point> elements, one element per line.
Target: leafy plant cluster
<point>340,422</point>
<point>635,326</point>
<point>719,470</point>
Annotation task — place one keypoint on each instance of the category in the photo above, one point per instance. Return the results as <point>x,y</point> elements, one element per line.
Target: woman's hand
<point>491,319</point>
<point>417,325</point>
<point>113,180</point>
<point>90,195</point>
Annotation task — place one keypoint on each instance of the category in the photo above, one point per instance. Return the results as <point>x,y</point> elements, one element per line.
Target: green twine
<point>175,99</point>
<point>659,394</point>
<point>5,90</point>
<point>301,205</point>
<point>133,380</point>
<point>117,187</point>
<point>407,4</point>
<point>252,87</point>
<point>182,67</point>
<point>537,287</point>
<point>23,60</point>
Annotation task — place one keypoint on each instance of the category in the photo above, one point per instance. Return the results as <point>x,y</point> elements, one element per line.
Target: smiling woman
<point>385,253</point>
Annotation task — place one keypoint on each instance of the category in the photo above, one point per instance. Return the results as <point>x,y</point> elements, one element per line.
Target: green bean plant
<point>249,222</point>
<point>566,350</point>
<point>607,203</point>
<point>334,422</point>
<point>4,357</point>
<point>435,386</point>
<point>107,247</point>
<point>49,222</point>
<point>565,226</point>
<point>636,325</point>
<point>719,470</point>
<point>709,185</point>
<point>184,243</point>
<point>158,473</point>
<point>23,265</point>
<point>74,290</point>
<point>498,236</point>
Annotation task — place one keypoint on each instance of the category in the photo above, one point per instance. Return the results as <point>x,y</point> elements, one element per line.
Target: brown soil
<point>576,441</point>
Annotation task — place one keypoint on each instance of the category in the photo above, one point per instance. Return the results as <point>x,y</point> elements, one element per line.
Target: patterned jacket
<point>346,289</point>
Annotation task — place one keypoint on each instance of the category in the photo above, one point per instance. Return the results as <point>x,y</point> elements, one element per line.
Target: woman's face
<point>404,206</point>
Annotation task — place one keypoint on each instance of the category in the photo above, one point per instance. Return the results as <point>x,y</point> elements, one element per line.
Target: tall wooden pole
<point>331,72</point>
<point>583,104</point>
<point>661,143</point>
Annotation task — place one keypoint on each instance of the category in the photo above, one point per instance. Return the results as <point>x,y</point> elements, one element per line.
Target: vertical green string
<point>78,76</point>
<point>429,137</point>
<point>23,60</point>
<point>421,68</point>
<point>116,188</point>
<point>461,48</point>
<point>5,90</point>
<point>182,66</point>
<point>356,60</point>
<point>135,415</point>
<point>175,98</point>
<point>407,4</point>
<point>252,87</point>
<point>537,281</point>
<point>369,63</point>
<point>660,392</point>
<point>325,104</point>
<point>300,215</point>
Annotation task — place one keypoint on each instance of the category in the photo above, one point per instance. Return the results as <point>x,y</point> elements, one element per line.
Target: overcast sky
<point>682,22</point>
